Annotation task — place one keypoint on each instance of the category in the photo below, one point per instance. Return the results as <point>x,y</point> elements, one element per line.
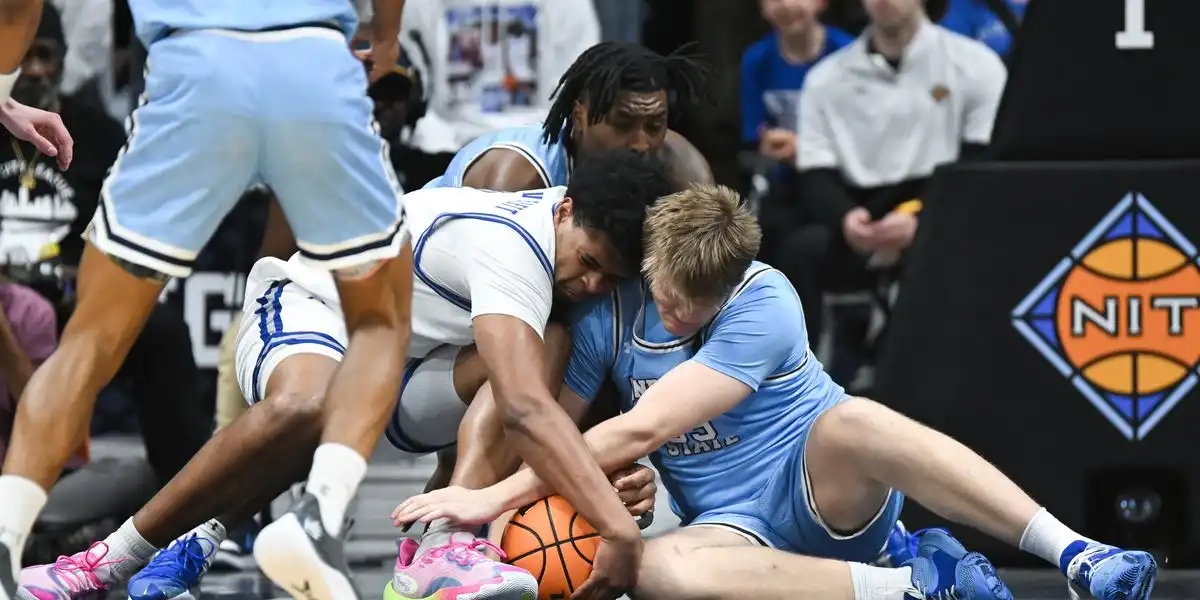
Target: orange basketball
<point>555,543</point>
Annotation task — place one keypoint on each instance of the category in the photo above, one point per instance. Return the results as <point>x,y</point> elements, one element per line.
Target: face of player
<point>585,264</point>
<point>681,316</point>
<point>637,121</point>
<point>892,13</point>
<point>792,16</point>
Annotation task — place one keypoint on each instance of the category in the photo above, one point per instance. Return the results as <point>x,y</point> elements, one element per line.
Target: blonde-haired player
<point>786,486</point>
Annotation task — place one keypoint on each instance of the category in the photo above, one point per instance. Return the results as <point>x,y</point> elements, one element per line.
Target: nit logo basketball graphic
<point>1119,317</point>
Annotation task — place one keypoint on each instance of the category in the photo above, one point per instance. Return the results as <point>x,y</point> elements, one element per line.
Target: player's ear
<point>565,210</point>
<point>579,116</point>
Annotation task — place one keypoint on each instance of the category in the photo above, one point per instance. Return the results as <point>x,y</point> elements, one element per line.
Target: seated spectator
<point>876,118</point>
<point>773,70</point>
<point>43,212</point>
<point>976,20</point>
<point>28,334</point>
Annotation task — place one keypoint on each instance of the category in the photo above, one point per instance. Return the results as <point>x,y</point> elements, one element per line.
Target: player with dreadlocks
<point>614,96</point>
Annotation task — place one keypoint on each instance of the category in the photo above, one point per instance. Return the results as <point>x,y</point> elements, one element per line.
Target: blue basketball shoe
<point>1107,572</point>
<point>944,570</point>
<point>901,547</point>
<point>175,571</point>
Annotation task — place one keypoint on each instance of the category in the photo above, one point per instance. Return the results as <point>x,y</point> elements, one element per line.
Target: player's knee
<point>664,571</point>
<point>845,426</point>
<point>295,410</point>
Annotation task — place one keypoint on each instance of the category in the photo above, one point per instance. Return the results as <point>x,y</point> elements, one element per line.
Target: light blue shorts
<point>225,110</point>
<point>783,515</point>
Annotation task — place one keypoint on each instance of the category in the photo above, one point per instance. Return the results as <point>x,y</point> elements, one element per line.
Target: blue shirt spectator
<point>773,71</point>
<point>975,20</point>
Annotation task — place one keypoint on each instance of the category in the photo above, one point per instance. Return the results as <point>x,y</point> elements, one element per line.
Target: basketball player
<point>19,21</point>
<point>786,486</point>
<point>295,116</point>
<point>613,96</point>
<point>483,269</point>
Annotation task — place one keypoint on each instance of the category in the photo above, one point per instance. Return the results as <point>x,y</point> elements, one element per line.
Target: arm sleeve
<point>987,78</point>
<point>509,275</point>
<point>592,349</point>
<point>755,334</point>
<point>754,112</point>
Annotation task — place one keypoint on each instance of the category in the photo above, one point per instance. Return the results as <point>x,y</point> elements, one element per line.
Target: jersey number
<point>1135,36</point>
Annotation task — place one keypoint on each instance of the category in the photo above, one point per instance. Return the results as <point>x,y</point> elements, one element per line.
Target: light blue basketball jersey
<point>758,338</point>
<point>153,19</point>
<point>551,160</point>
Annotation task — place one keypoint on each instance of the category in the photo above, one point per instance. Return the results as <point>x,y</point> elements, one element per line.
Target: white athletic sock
<point>22,501</point>
<point>128,547</point>
<point>1047,537</point>
<point>880,583</point>
<point>336,472</point>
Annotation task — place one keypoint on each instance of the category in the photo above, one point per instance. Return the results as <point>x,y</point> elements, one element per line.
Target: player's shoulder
<point>596,315</point>
<point>762,285</point>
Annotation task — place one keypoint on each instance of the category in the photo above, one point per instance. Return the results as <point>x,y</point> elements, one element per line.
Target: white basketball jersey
<point>474,253</point>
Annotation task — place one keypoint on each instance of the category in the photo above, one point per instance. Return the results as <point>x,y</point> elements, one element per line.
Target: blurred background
<point>1034,291</point>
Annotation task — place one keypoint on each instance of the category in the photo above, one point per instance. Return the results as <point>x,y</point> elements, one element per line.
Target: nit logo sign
<point>1118,316</point>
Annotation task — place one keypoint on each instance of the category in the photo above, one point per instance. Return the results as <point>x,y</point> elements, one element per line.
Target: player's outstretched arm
<point>545,437</point>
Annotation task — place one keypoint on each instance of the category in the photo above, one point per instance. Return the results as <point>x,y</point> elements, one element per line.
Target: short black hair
<point>606,69</point>
<point>610,193</point>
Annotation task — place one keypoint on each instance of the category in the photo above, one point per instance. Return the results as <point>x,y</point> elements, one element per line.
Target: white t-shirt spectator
<point>880,124</point>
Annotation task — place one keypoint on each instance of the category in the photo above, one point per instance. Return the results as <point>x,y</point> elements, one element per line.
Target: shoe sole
<point>1140,579</point>
<point>287,557</point>
<point>514,586</point>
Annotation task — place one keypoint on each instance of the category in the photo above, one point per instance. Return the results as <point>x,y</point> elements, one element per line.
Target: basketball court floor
<point>372,544</point>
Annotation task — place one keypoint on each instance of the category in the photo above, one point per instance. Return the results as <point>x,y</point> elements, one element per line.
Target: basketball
<point>554,543</point>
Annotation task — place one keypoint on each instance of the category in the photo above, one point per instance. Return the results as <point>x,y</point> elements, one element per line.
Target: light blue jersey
<point>154,19</point>
<point>743,469</point>
<point>550,160</point>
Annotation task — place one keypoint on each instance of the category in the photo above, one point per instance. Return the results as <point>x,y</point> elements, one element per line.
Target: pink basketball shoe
<point>459,569</point>
<point>69,578</point>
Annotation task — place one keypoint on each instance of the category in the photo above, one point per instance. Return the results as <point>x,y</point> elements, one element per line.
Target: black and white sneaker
<point>299,555</point>
<point>8,579</point>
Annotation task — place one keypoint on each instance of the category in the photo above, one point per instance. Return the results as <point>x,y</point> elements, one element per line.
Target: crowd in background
<point>836,147</point>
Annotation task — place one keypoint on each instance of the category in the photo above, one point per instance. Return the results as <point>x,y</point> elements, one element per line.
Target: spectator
<point>773,70</point>
<point>487,66</point>
<point>43,212</point>
<point>876,119</point>
<point>976,20</point>
<point>28,334</point>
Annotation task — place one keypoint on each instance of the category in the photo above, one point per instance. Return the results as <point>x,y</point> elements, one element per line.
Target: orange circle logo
<point>1120,316</point>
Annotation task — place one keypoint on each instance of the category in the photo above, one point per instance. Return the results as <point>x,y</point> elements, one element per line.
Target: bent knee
<point>665,568</point>
<point>851,422</point>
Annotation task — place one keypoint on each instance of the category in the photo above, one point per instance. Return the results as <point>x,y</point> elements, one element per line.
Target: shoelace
<point>950,593</point>
<point>187,554</point>
<point>466,554</point>
<point>79,571</point>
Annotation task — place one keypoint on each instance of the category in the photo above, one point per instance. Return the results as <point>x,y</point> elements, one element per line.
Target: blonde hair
<point>700,241</point>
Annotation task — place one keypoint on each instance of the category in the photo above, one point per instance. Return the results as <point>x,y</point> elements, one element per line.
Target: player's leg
<point>860,444</point>
<point>724,561</point>
<point>181,171</point>
<point>330,171</point>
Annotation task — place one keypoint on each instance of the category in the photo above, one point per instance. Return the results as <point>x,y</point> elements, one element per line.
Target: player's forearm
<point>386,22</point>
<point>552,447</point>
<point>19,21</point>
<point>614,445</point>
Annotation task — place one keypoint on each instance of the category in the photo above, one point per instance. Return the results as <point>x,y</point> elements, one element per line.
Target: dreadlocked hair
<point>608,68</point>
